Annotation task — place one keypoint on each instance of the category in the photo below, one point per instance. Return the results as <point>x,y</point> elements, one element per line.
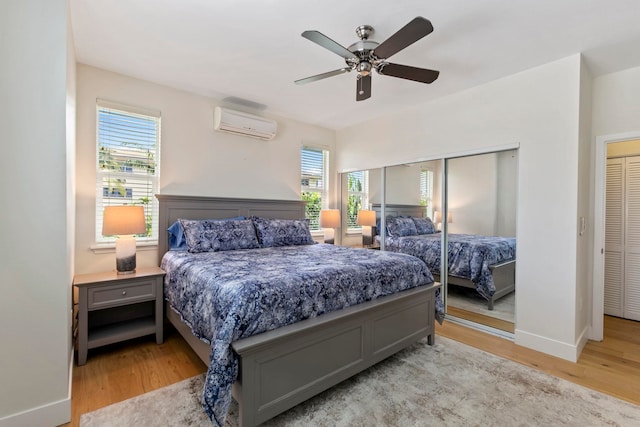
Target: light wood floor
<point>481,319</point>
<point>121,371</point>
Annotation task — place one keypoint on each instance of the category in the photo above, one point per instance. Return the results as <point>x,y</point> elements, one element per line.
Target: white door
<point>632,239</point>
<point>614,238</point>
<point>622,238</point>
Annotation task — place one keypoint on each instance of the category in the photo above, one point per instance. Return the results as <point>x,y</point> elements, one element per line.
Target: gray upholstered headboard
<point>195,207</point>
<point>400,210</point>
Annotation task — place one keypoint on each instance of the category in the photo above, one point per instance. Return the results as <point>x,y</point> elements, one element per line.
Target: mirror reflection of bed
<point>482,192</point>
<point>482,210</point>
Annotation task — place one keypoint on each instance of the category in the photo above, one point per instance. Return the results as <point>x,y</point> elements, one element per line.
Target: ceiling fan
<point>366,55</point>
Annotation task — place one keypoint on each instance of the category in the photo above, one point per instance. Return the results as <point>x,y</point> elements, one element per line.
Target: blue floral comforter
<point>226,296</point>
<point>469,256</point>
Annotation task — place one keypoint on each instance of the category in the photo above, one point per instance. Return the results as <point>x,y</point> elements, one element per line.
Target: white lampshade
<point>124,221</point>
<point>367,218</point>
<point>437,217</point>
<point>330,218</point>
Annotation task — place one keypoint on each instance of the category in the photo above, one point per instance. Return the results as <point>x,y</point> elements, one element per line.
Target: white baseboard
<point>582,341</point>
<point>555,348</point>
<point>49,415</point>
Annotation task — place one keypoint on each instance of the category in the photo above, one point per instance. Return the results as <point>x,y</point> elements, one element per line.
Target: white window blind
<point>426,191</point>
<point>128,163</point>
<point>314,165</point>
<point>357,196</point>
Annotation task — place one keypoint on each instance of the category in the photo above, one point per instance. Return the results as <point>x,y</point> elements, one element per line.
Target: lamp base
<point>329,236</point>
<point>124,267</point>
<point>367,236</point>
<point>126,255</point>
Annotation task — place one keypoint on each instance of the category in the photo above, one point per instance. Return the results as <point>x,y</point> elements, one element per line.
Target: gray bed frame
<point>504,273</point>
<point>281,368</point>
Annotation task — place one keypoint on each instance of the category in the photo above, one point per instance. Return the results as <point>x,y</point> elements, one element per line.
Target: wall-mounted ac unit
<point>245,124</point>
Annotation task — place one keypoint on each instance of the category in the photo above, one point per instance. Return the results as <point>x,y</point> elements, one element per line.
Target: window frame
<point>135,164</point>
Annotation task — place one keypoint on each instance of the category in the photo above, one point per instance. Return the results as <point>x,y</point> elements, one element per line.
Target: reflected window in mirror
<point>426,190</point>
<point>314,180</point>
<point>357,197</point>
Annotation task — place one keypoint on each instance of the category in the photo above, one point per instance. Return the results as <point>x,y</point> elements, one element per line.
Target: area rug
<point>470,300</point>
<point>448,384</point>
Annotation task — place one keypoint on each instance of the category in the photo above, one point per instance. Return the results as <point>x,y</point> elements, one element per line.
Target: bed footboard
<point>504,279</point>
<point>282,368</point>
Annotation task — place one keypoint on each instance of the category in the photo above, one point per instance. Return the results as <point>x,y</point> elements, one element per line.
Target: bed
<point>276,369</point>
<point>484,263</point>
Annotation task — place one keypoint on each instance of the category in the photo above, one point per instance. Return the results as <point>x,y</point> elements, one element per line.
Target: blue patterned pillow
<point>399,226</point>
<point>210,235</point>
<point>177,241</point>
<point>282,232</point>
<point>424,225</point>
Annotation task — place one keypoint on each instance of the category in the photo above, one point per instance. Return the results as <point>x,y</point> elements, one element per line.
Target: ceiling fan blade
<point>421,75</point>
<point>405,36</point>
<point>322,76</point>
<point>324,41</point>
<point>363,88</point>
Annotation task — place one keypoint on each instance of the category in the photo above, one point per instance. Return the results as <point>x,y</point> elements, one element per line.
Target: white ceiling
<point>252,49</point>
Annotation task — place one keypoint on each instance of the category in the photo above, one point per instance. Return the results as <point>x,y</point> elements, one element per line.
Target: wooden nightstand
<point>114,308</point>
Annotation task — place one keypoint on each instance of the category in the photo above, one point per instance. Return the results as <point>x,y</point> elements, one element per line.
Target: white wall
<point>375,186</point>
<point>403,185</point>
<point>537,109</point>
<point>616,104</point>
<point>473,198</point>
<point>37,145</point>
<point>195,159</point>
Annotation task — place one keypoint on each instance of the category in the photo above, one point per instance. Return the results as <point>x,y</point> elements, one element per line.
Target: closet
<point>622,238</point>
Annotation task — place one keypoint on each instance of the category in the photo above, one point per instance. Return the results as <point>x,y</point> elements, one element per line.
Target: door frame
<point>599,217</point>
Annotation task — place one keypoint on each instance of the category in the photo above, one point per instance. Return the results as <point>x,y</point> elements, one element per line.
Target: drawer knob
<point>124,292</point>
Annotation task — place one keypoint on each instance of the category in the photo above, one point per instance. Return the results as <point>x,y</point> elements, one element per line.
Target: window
<point>357,196</point>
<point>314,165</point>
<point>128,159</point>
<point>426,191</point>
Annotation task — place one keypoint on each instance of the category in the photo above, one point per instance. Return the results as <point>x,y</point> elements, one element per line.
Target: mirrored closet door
<point>481,193</point>
<point>465,204</point>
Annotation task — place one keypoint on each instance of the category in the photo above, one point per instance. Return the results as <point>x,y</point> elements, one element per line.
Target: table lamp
<point>437,219</point>
<point>367,219</point>
<point>329,220</point>
<point>124,222</point>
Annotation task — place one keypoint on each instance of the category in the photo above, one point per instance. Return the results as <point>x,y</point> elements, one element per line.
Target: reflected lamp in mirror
<point>329,220</point>
<point>124,222</point>
<point>366,219</point>
<point>437,219</point>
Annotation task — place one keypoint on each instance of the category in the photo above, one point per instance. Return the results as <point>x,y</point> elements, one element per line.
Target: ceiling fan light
<point>364,68</point>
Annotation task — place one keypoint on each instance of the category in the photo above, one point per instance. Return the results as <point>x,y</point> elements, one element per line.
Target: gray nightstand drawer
<point>113,295</point>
